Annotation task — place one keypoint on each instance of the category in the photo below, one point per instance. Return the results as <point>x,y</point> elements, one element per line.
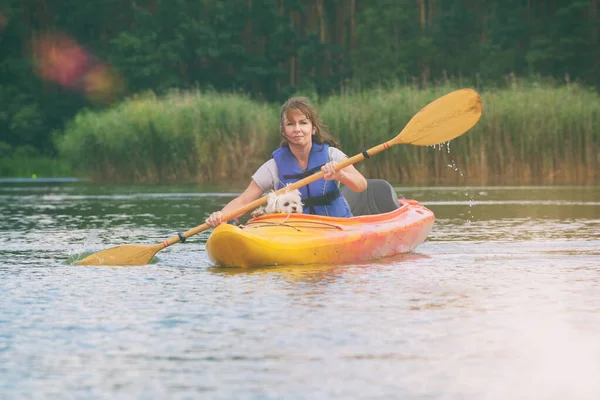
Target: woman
<point>305,148</point>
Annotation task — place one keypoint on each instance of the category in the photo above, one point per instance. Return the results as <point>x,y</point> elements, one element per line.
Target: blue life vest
<point>320,197</point>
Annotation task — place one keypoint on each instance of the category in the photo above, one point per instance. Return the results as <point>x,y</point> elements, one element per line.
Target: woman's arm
<point>251,193</point>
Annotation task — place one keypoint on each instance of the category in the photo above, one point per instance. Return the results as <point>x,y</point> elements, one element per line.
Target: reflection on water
<point>318,272</point>
<point>502,301</point>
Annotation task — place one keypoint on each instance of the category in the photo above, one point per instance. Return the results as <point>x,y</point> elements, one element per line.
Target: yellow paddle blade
<point>129,254</point>
<point>443,119</point>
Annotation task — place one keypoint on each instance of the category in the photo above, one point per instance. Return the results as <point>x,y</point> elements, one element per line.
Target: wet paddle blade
<point>129,254</point>
<point>443,119</point>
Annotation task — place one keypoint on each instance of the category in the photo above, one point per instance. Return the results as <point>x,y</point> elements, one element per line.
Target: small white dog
<point>286,203</point>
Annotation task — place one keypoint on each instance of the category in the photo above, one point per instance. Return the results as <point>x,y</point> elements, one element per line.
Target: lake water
<point>501,302</point>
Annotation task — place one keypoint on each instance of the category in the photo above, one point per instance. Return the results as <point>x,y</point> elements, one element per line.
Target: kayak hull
<point>278,239</point>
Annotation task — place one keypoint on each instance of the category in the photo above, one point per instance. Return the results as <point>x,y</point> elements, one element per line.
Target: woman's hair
<point>302,104</point>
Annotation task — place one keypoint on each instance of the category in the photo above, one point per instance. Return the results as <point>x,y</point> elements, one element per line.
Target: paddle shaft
<point>431,125</point>
<point>259,202</point>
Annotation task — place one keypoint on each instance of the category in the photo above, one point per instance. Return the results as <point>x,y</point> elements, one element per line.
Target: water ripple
<point>500,302</point>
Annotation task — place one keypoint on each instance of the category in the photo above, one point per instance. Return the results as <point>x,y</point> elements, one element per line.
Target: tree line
<point>272,49</point>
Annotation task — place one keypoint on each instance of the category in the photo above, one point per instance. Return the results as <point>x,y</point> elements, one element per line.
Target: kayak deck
<point>279,239</point>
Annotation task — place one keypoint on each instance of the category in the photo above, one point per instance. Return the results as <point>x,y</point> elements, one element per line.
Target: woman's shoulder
<point>266,176</point>
<point>269,165</point>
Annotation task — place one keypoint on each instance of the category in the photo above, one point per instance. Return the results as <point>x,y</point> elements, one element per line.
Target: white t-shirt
<point>267,176</point>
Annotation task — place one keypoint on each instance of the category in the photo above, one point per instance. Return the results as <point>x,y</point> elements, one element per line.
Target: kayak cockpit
<point>379,198</point>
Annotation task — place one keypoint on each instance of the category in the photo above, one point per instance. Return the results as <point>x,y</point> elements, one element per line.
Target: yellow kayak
<point>279,239</point>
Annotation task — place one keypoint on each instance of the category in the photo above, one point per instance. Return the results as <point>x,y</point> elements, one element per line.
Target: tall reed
<point>530,132</point>
<point>182,137</point>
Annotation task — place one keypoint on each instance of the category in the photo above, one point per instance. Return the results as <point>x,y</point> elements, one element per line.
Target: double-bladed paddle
<point>440,121</point>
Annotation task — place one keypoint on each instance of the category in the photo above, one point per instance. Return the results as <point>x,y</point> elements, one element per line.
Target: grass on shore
<point>530,132</point>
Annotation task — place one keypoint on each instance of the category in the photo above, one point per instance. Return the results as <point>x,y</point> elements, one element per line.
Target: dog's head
<point>286,203</point>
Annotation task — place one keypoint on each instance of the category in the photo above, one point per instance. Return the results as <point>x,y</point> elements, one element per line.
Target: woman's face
<point>297,128</point>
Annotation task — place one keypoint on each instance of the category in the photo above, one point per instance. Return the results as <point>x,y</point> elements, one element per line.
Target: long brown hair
<point>302,104</point>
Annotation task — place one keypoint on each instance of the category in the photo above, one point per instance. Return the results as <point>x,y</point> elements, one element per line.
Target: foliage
<point>27,162</point>
<point>270,49</point>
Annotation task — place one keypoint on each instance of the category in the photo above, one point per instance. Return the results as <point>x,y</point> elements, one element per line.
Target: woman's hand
<point>349,176</point>
<point>252,193</point>
<point>214,219</point>
<point>331,174</point>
